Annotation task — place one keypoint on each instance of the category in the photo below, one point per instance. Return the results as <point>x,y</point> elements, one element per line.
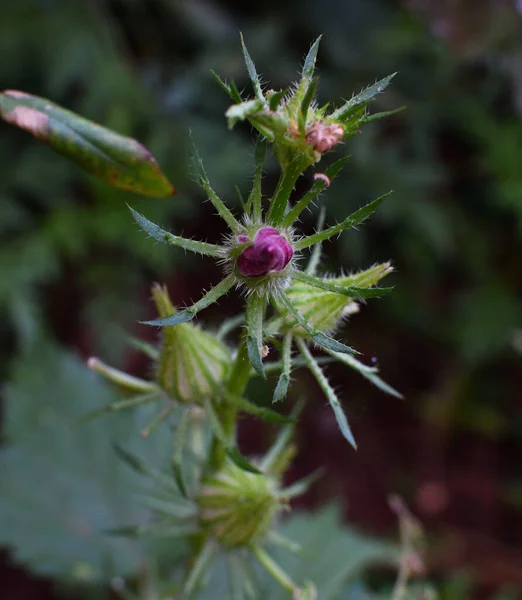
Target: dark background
<point>75,269</point>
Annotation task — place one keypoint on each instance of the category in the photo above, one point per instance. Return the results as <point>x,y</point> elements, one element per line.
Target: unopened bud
<point>270,252</point>
<point>237,506</point>
<point>324,137</point>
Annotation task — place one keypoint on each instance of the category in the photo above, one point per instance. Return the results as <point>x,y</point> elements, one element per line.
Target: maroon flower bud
<point>269,252</point>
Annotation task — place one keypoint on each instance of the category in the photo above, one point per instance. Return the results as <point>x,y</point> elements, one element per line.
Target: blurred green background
<point>75,271</point>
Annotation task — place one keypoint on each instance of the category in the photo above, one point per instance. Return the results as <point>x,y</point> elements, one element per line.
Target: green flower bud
<point>192,362</point>
<point>324,310</point>
<point>238,507</point>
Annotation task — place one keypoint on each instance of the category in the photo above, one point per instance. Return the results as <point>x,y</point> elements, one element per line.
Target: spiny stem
<point>285,186</point>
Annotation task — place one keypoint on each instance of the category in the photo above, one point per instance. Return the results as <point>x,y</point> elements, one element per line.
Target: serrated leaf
<point>83,488</point>
<point>117,160</point>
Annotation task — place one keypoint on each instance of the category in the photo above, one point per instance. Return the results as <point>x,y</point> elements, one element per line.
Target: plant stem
<point>236,385</point>
<point>285,185</point>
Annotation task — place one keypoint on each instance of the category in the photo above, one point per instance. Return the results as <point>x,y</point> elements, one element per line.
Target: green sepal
<point>243,110</point>
<point>309,62</point>
<point>255,309</point>
<point>160,235</point>
<point>324,306</point>
<point>252,73</point>
<point>160,530</point>
<point>356,218</point>
<point>254,203</point>
<point>201,178</point>
<point>381,115</point>
<point>329,392</point>
<point>192,362</point>
<point>228,89</point>
<point>305,105</point>
<point>320,338</point>
<point>274,99</point>
<point>302,486</point>
<point>370,373</point>
<point>184,316</point>
<point>283,382</point>
<point>118,161</point>
<point>133,402</point>
<point>267,414</point>
<point>352,291</point>
<point>360,100</point>
<point>200,567</point>
<point>318,186</point>
<point>137,465</point>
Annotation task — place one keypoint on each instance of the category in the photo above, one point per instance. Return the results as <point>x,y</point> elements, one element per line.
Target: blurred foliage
<point>75,269</point>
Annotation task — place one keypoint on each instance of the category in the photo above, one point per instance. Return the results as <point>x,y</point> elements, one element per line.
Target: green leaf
<point>345,112</point>
<point>83,488</point>
<point>328,392</point>
<point>160,235</point>
<point>119,161</point>
<point>356,218</point>
<point>309,63</point>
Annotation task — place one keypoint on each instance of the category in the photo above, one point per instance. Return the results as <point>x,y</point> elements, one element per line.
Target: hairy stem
<point>227,412</point>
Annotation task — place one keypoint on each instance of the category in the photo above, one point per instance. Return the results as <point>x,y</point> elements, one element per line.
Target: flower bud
<point>324,137</point>
<point>270,252</point>
<point>237,506</point>
<point>324,309</point>
<point>192,362</point>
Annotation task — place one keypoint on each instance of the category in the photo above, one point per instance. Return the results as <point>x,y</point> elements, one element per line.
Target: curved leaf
<point>117,160</point>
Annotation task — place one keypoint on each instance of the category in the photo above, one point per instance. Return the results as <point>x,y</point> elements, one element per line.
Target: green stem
<point>236,385</point>
<point>285,186</point>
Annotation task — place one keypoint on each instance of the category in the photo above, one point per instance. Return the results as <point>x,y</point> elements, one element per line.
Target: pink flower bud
<point>270,252</point>
<point>323,137</point>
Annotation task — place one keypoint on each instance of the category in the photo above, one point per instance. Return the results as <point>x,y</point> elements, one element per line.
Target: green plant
<point>220,505</point>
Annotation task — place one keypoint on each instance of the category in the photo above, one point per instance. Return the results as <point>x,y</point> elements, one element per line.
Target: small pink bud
<point>323,137</point>
<point>270,252</point>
